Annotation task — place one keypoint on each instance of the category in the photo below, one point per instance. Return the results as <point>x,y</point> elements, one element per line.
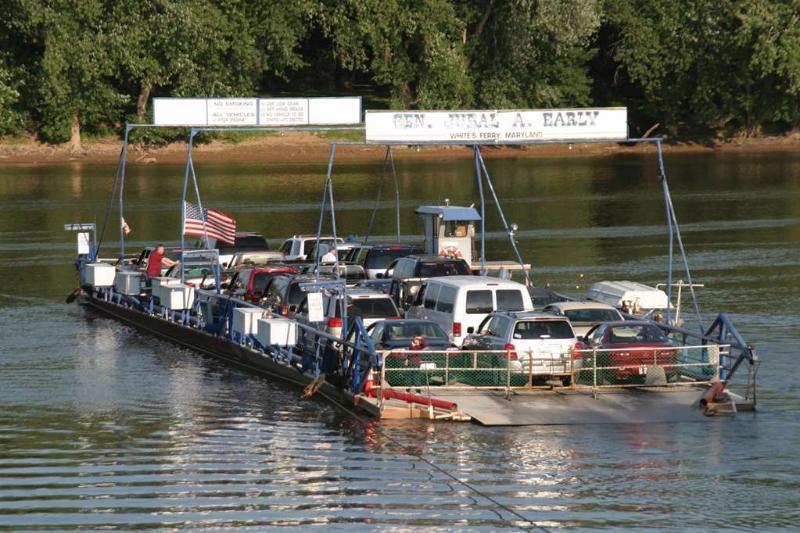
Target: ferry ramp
<point>553,407</point>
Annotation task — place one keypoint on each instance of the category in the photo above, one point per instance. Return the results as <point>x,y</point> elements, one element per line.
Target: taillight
<point>456,329</point>
<point>284,310</point>
<point>511,352</point>
<point>335,322</point>
<point>576,350</point>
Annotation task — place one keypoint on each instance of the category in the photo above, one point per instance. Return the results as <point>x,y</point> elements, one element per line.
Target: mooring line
<point>409,451</point>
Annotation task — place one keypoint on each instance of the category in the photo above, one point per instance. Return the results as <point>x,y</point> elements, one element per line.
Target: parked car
<point>584,315</point>
<point>369,305</point>
<point>541,343</point>
<point>249,283</point>
<point>460,303</point>
<point>342,250</point>
<point>245,241</point>
<point>631,347</point>
<point>285,293</point>
<point>300,247</point>
<point>254,258</point>
<point>399,334</point>
<point>378,258</point>
<point>408,273</point>
<point>357,253</point>
<point>200,276</point>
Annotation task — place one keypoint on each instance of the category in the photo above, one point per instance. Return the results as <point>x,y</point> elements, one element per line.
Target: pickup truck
<point>408,273</point>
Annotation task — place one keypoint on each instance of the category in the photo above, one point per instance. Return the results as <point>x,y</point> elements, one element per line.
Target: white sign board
<point>232,111</point>
<point>497,127</point>
<point>201,112</point>
<point>315,311</point>
<point>83,243</point>
<point>283,111</point>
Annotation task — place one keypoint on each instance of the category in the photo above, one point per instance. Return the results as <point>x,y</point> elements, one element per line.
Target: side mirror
<point>470,330</point>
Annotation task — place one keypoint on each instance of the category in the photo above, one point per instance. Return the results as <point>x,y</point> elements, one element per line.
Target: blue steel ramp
<point>627,406</point>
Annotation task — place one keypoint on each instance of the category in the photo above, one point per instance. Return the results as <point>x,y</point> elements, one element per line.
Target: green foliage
<point>698,67</point>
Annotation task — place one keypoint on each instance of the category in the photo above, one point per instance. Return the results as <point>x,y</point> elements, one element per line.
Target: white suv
<point>299,247</point>
<point>543,344</point>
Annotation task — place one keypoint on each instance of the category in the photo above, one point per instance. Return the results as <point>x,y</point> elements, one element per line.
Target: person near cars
<point>157,260</point>
<point>330,255</point>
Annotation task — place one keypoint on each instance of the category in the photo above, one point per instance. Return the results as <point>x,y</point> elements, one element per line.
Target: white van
<point>460,303</point>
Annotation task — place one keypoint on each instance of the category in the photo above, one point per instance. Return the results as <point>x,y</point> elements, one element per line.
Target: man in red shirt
<point>157,261</point>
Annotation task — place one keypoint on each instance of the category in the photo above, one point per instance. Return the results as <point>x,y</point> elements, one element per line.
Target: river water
<point>102,426</point>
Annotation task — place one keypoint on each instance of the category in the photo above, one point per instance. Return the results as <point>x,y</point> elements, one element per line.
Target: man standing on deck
<point>157,261</point>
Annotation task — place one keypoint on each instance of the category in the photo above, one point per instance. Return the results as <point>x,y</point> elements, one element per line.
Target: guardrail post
<point>530,368</point>
<point>594,365</point>
<point>446,368</point>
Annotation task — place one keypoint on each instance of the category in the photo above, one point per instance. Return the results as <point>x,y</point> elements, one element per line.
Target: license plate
<point>427,366</point>
<point>642,370</point>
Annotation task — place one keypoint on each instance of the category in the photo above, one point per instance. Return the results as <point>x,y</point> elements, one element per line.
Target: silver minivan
<point>460,303</point>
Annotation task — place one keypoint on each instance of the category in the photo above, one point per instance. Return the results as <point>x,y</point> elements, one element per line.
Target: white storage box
<point>276,332</point>
<point>129,282</point>
<point>158,282</point>
<point>244,320</point>
<point>176,297</point>
<point>100,274</point>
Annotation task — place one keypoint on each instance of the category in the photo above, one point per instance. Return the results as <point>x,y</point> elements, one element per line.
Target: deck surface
<point>491,408</point>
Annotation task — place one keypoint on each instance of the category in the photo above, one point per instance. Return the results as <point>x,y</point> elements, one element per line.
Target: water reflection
<point>103,426</point>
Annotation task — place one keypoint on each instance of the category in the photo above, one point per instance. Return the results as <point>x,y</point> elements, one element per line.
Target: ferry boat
<point>340,362</point>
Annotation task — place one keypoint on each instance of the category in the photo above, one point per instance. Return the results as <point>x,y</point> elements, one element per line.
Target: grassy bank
<point>309,147</point>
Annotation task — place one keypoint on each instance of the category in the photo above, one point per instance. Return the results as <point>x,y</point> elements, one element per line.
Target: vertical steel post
<point>396,192</point>
<point>378,198</point>
<point>667,207</point>
<point>322,206</point>
<point>123,161</point>
<point>186,170</point>
<point>479,177</point>
<point>503,217</point>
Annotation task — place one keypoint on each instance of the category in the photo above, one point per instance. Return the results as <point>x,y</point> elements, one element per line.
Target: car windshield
<point>295,295</point>
<point>407,330</point>
<point>434,269</point>
<point>543,329</point>
<point>260,281</point>
<point>591,315</point>
<point>636,334</point>
<point>383,257</point>
<point>371,308</point>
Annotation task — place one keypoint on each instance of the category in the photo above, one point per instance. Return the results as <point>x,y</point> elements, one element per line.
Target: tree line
<point>697,68</point>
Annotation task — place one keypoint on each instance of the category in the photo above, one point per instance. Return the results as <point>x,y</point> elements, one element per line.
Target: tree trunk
<point>141,102</point>
<point>75,134</point>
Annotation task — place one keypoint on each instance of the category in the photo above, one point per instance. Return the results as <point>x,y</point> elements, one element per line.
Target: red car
<point>249,283</point>
<point>631,347</point>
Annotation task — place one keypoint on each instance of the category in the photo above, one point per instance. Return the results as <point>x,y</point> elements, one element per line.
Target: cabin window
<point>455,228</point>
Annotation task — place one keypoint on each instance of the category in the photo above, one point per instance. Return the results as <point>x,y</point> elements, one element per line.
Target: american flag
<point>217,225</point>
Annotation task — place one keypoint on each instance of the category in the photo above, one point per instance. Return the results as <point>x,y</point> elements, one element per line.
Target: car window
<point>371,308</point>
<point>286,247</point>
<point>251,242</point>
<point>303,307</point>
<point>408,330</point>
<point>431,294</point>
<point>597,336</point>
<point>631,334</point>
<point>447,299</point>
<point>377,333</point>
<point>592,315</point>
<point>510,300</point>
<point>295,294</point>
<point>489,326</point>
<point>381,258</point>
<point>479,302</point>
<point>435,269</point>
<point>543,329</point>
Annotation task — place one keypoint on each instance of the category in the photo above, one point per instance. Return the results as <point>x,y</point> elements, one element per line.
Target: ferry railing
<point>456,369</point>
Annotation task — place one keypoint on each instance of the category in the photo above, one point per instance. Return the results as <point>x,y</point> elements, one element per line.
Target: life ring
<point>452,252</point>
